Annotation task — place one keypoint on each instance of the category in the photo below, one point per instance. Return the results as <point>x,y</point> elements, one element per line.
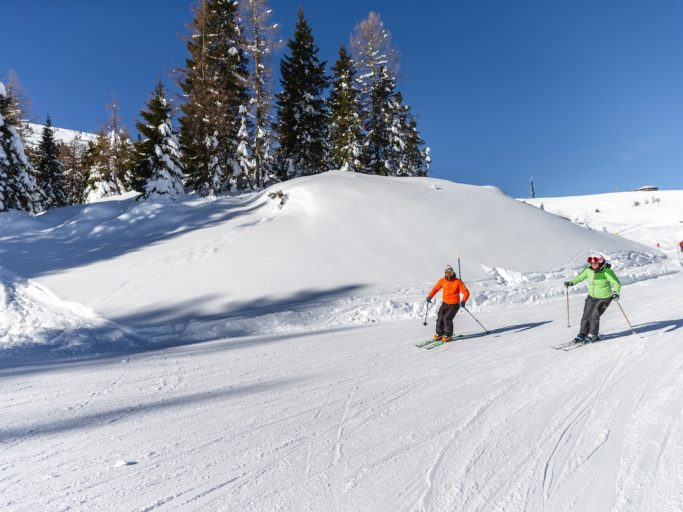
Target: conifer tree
<point>50,178</point>
<point>390,130</point>
<point>261,37</point>
<point>416,158</point>
<point>302,115</point>
<point>75,166</point>
<point>380,121</point>
<point>120,151</point>
<point>215,85</point>
<point>158,173</point>
<point>18,189</point>
<point>346,128</point>
<point>112,159</point>
<point>101,180</point>
<point>19,108</point>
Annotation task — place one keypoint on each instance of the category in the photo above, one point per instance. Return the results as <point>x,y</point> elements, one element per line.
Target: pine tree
<point>381,120</point>
<point>416,157</point>
<point>19,108</point>
<point>121,152</point>
<point>18,189</point>
<point>101,180</point>
<point>346,128</point>
<point>158,173</point>
<point>50,178</point>
<point>392,144</point>
<point>261,36</point>
<point>75,165</point>
<point>406,155</point>
<point>112,159</point>
<point>215,84</point>
<point>302,115</point>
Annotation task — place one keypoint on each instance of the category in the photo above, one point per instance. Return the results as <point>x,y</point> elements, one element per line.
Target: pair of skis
<point>430,344</point>
<point>572,345</point>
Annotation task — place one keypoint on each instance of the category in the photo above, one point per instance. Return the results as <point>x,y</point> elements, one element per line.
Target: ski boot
<point>580,338</point>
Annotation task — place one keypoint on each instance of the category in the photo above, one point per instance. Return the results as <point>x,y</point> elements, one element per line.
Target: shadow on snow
<point>164,328</point>
<point>81,235</point>
<point>104,418</point>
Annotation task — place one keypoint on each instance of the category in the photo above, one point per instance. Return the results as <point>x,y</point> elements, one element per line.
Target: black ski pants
<point>444,320</point>
<point>592,311</point>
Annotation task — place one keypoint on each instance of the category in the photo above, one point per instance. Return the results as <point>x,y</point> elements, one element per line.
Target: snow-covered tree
<point>101,176</point>
<point>75,159</point>
<point>48,167</point>
<point>380,125</point>
<point>19,108</point>
<point>406,155</point>
<point>392,145</point>
<point>214,81</point>
<point>112,159</point>
<point>346,126</point>
<point>262,41</point>
<point>302,115</point>
<point>243,169</point>
<point>416,157</point>
<point>18,189</point>
<point>158,172</point>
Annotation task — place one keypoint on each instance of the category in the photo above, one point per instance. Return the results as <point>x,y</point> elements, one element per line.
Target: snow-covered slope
<point>653,218</point>
<point>34,134</point>
<point>343,248</point>
<point>328,405</point>
<point>35,324</point>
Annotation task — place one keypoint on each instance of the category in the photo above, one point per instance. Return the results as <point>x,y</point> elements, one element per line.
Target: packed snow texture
<point>257,353</point>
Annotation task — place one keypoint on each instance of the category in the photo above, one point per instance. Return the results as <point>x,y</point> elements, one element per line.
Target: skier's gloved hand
<point>567,283</point>
<point>462,304</point>
<point>429,299</point>
<point>615,296</point>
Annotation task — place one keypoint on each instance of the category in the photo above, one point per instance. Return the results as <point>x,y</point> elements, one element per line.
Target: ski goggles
<point>595,259</point>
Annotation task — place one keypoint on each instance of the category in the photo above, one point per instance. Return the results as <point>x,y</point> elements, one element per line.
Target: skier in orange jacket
<point>455,294</point>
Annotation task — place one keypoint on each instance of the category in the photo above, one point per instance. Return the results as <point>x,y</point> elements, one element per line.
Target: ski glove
<point>462,304</point>
<point>429,299</point>
<point>615,296</point>
<point>567,283</point>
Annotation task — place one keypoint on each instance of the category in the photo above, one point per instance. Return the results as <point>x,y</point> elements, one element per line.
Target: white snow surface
<point>34,135</point>
<point>249,353</point>
<point>653,218</point>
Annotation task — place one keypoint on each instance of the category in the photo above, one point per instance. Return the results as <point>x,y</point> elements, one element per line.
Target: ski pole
<point>475,319</point>
<point>426,312</point>
<point>567,290</point>
<point>622,311</point>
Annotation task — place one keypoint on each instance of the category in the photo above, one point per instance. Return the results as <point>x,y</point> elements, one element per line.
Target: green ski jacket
<point>601,283</point>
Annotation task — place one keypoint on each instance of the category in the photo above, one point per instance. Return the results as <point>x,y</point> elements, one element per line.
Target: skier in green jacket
<point>603,287</point>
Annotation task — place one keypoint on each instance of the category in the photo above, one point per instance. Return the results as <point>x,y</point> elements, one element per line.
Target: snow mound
<point>33,319</point>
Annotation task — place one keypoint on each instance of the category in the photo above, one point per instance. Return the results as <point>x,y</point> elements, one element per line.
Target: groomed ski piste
<point>253,353</point>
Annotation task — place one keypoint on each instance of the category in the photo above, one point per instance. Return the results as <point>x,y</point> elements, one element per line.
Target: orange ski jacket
<point>451,291</point>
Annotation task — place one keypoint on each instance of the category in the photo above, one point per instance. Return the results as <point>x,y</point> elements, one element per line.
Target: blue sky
<point>585,96</point>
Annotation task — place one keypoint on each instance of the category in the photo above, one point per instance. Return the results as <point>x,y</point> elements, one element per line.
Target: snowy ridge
<point>34,134</point>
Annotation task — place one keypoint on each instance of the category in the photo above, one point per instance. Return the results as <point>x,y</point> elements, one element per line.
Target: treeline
<point>234,132</point>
